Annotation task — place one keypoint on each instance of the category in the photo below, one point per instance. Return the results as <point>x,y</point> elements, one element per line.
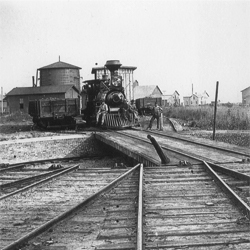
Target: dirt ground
<point>62,146</point>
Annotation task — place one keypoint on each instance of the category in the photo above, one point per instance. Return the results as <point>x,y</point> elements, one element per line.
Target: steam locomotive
<point>120,113</point>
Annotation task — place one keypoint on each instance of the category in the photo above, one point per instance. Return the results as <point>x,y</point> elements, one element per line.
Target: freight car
<point>145,105</point>
<point>48,113</point>
<point>120,113</point>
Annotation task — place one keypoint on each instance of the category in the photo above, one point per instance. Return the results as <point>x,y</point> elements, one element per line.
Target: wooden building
<point>192,100</point>
<point>18,98</point>
<point>246,96</point>
<point>196,99</point>
<point>147,91</point>
<point>57,80</point>
<point>203,98</point>
<point>171,100</point>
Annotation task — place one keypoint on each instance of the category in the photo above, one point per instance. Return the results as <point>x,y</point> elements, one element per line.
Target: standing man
<point>134,110</point>
<point>157,110</point>
<point>103,110</point>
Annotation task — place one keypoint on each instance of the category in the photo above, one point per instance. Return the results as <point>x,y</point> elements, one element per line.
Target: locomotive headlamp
<point>117,97</point>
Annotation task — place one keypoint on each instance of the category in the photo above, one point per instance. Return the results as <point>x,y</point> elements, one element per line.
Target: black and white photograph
<point>125,124</point>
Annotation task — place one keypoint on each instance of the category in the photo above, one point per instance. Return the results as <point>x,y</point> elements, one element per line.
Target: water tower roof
<point>60,65</point>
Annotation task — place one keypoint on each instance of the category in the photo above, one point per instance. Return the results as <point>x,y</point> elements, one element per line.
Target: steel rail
<point>230,172</point>
<point>40,182</point>
<point>245,208</point>
<point>198,143</point>
<point>216,167</point>
<point>71,211</point>
<point>140,212</point>
<point>18,165</point>
<point>22,164</point>
<point>14,183</point>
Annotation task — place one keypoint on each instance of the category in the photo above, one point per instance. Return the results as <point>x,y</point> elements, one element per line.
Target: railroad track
<point>180,141</point>
<point>156,208</point>
<point>186,212</point>
<point>17,180</point>
<point>190,151</point>
<point>161,207</point>
<point>171,206</point>
<point>10,167</point>
<point>17,176</point>
<point>236,175</point>
<point>109,222</point>
<point>40,202</point>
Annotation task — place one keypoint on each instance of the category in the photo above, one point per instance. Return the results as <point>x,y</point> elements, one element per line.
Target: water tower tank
<point>60,73</point>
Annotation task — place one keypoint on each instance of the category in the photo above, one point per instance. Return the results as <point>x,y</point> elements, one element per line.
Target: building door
<point>21,104</point>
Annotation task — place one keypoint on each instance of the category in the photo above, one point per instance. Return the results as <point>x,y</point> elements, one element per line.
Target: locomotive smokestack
<point>113,65</point>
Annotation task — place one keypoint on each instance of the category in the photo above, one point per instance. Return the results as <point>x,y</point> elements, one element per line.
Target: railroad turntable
<point>169,192</point>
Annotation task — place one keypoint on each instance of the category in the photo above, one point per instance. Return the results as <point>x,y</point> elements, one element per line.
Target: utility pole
<point>215,108</point>
<point>2,99</point>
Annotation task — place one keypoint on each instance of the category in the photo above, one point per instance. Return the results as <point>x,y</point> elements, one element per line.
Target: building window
<point>21,103</point>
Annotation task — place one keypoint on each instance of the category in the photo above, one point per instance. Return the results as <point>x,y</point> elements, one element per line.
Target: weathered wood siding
<point>14,101</point>
<point>246,96</point>
<point>50,77</point>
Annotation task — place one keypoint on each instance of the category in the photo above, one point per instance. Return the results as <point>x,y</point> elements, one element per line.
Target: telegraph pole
<point>215,108</point>
<point>2,99</point>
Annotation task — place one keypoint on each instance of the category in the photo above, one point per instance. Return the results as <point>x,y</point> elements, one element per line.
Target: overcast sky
<point>173,44</point>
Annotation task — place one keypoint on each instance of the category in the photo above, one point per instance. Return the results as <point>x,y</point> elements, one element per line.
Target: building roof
<point>146,91</point>
<point>202,94</point>
<point>165,93</point>
<point>245,89</point>
<point>60,65</point>
<point>40,90</point>
<point>190,96</point>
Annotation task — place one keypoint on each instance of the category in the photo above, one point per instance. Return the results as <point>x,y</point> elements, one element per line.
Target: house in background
<point>18,98</point>
<point>196,99</point>
<point>192,100</point>
<point>246,96</point>
<point>147,91</point>
<point>203,98</point>
<point>171,100</point>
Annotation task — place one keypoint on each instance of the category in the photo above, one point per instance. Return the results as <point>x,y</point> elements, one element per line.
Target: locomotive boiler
<point>107,89</point>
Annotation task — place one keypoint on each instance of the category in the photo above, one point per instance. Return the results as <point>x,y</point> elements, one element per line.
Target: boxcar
<point>48,113</point>
<point>145,105</point>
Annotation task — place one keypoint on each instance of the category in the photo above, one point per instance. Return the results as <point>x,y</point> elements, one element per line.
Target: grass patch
<point>227,118</point>
<point>17,117</point>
